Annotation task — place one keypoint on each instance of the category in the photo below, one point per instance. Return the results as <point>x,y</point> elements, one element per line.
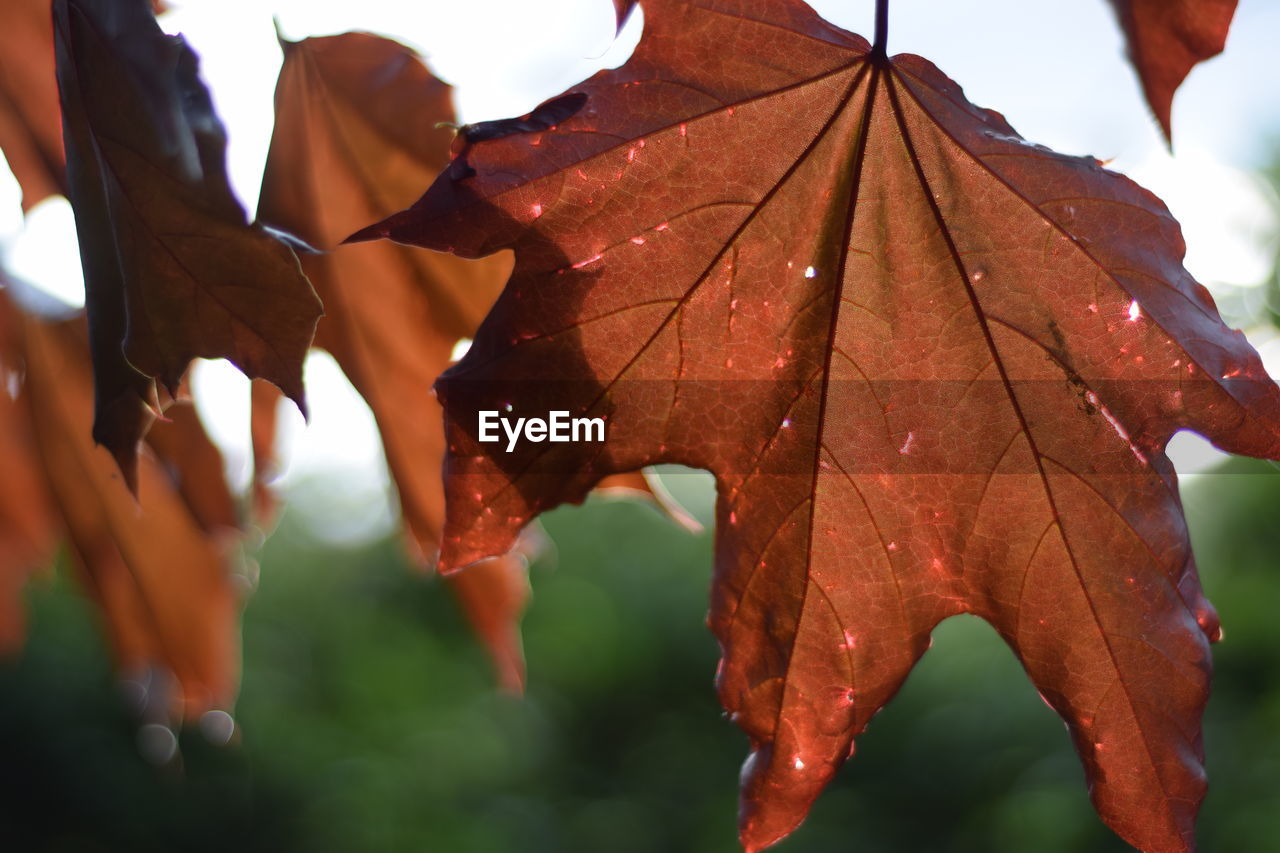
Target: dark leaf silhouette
<point>172,270</point>
<point>30,124</point>
<point>1167,38</point>
<point>933,368</point>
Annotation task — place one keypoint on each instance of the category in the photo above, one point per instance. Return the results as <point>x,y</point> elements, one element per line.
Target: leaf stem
<point>879,48</point>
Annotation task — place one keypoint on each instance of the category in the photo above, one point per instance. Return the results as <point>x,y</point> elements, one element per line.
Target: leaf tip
<point>376,231</point>
<point>1161,106</point>
<point>119,426</point>
<point>623,9</point>
<point>299,398</point>
<point>127,461</point>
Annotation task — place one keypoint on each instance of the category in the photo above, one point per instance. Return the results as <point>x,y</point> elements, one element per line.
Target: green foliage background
<point>368,720</point>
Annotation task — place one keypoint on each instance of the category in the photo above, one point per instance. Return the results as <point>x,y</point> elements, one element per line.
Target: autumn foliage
<point>932,366</point>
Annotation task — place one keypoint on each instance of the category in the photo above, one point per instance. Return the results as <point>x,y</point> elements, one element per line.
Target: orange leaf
<point>28,530</point>
<point>30,125</point>
<point>165,588</point>
<point>196,467</point>
<point>356,138</point>
<point>359,131</point>
<point>357,135</point>
<point>264,409</point>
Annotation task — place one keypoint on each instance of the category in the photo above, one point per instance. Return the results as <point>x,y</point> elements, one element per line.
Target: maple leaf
<point>361,127</point>
<point>1167,38</point>
<point>357,136</point>
<point>163,583</point>
<point>172,269</point>
<point>933,368</point>
<point>27,533</point>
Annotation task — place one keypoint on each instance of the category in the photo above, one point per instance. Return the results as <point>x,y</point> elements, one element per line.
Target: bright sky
<point>1055,68</point>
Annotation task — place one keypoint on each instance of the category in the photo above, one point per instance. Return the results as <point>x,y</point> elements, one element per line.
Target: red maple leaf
<point>933,368</point>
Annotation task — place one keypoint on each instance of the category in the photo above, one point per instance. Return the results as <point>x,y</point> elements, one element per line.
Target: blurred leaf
<point>264,410</point>
<point>30,124</point>
<point>164,586</point>
<point>1167,38</point>
<point>361,127</point>
<point>195,465</point>
<point>28,530</point>
<point>356,137</point>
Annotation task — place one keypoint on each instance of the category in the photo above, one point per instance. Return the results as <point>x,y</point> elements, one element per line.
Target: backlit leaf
<point>165,588</point>
<point>264,410</point>
<point>172,270</point>
<point>358,134</point>
<point>933,368</point>
<point>1167,38</point>
<point>28,529</point>
<point>361,127</point>
<point>356,138</point>
<point>196,467</point>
